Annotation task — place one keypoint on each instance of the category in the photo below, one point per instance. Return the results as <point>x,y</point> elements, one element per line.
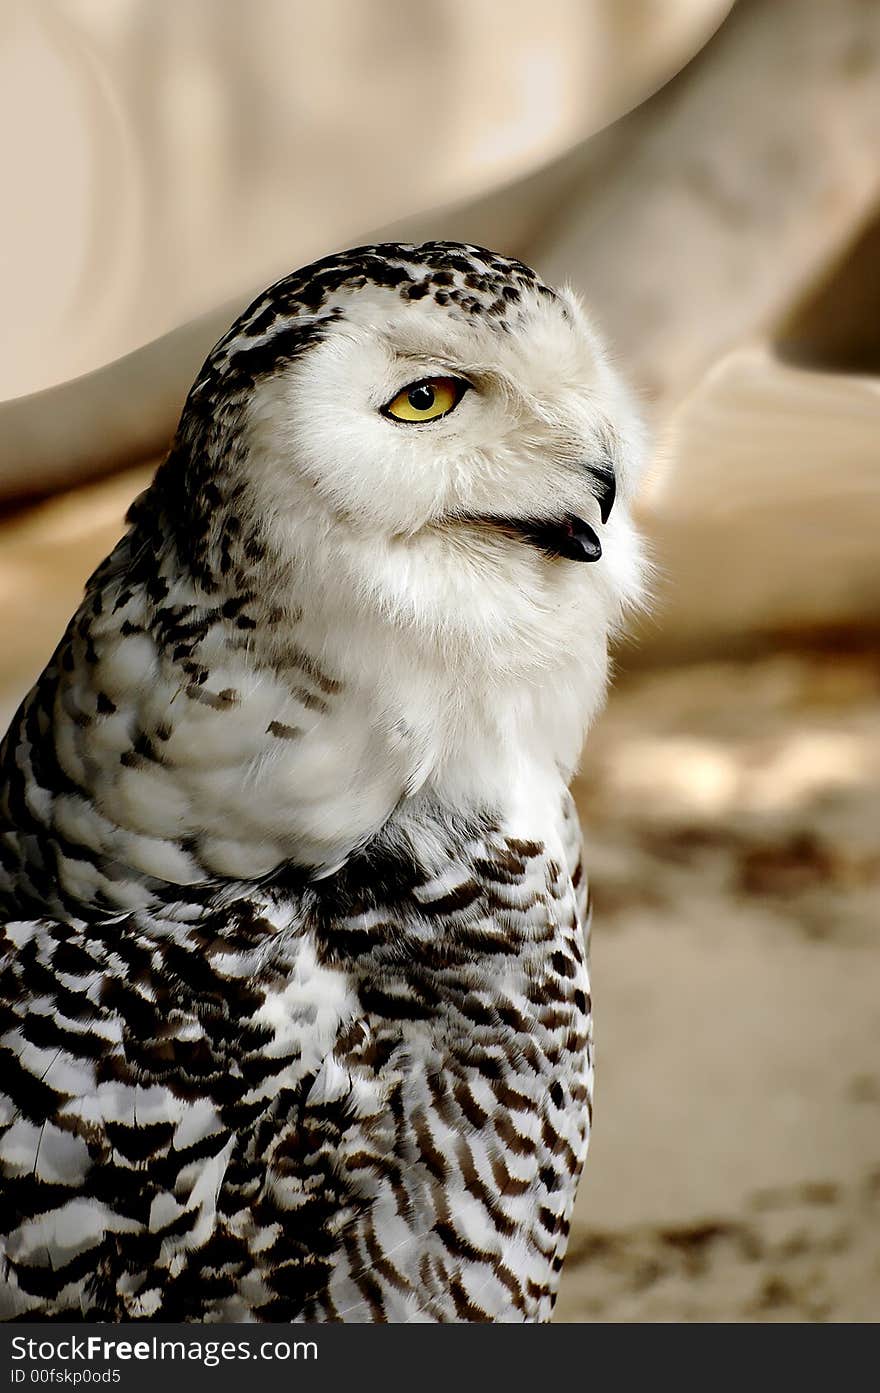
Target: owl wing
<point>122,774</point>
<point>141,1077</point>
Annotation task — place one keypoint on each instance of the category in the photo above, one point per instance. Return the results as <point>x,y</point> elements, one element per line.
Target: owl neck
<point>189,734</point>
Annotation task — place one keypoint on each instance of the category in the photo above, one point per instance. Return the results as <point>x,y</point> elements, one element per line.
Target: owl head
<point>428,432</point>
<point>377,571</point>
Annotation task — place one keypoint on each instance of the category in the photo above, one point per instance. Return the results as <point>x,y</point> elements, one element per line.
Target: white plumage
<point>295,1003</point>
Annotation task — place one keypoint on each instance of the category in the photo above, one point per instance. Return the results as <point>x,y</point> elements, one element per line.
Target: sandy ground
<point>733,822</point>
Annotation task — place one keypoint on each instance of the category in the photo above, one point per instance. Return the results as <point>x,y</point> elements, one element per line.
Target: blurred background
<point>707,173</point>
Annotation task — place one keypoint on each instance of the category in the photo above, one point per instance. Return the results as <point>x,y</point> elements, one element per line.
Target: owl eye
<point>426,400</point>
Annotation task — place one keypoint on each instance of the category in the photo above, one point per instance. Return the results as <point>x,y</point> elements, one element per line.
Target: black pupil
<point>421,397</point>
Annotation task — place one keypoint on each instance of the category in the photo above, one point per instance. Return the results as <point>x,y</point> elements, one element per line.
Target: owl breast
<point>467,1075</point>
<point>365,1098</point>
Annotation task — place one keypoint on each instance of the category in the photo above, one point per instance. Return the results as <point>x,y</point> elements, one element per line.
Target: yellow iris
<point>426,400</point>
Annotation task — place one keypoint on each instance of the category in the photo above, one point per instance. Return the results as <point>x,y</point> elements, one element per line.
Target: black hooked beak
<point>605,489</point>
<point>569,536</point>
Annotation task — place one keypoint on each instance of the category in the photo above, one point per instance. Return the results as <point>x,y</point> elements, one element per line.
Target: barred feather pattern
<point>294,1002</point>
<point>365,1101</point>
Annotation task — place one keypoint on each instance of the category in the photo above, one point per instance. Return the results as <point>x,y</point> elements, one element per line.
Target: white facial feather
<point>487,638</point>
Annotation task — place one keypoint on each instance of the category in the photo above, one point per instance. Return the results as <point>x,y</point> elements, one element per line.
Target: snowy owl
<point>294,1005</point>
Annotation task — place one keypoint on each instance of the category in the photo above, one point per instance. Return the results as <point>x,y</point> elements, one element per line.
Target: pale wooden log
<point>46,554</point>
<point>107,419</point>
<point>716,205</point>
<point>763,514</point>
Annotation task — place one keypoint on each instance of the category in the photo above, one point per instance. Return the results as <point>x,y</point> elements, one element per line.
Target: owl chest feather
<point>363,1099</point>
<point>478,1139</point>
<point>456,1090</point>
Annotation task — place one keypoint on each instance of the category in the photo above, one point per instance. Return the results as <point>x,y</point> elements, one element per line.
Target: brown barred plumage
<point>294,1003</point>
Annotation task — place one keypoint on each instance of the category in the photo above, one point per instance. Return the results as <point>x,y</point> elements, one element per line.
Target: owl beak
<point>571,538</point>
<point>605,489</point>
